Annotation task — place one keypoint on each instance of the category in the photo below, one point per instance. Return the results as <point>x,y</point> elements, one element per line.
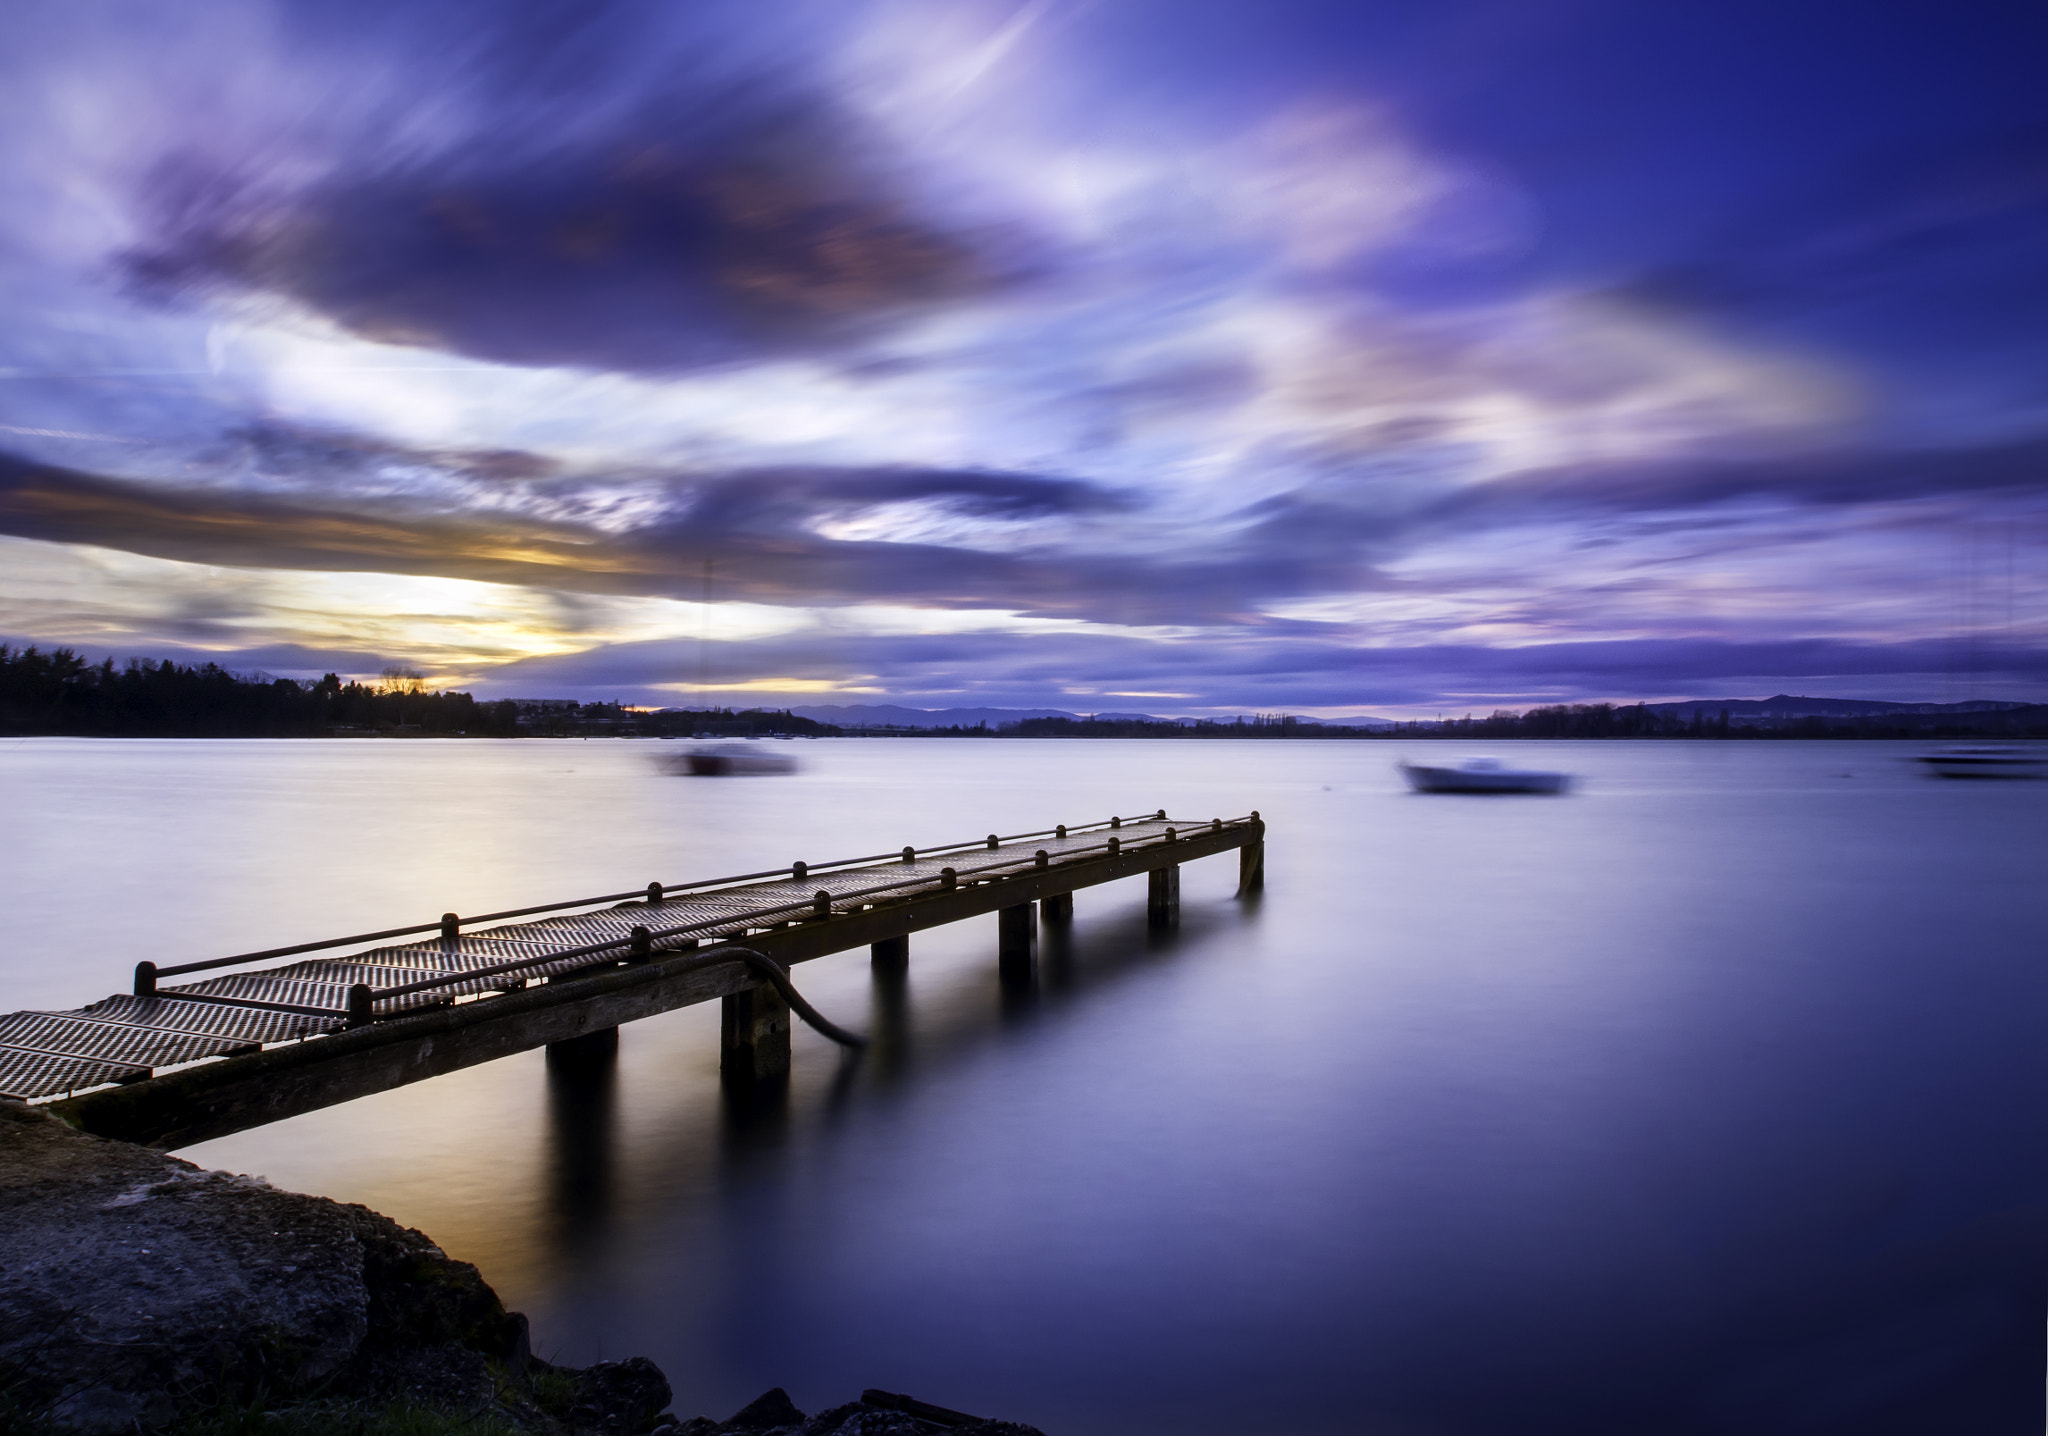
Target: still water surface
<point>1710,1098</point>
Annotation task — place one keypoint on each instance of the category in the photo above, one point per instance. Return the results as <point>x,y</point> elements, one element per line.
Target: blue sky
<point>1094,353</point>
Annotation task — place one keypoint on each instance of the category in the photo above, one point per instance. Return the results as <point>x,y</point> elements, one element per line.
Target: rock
<point>695,1426</point>
<point>855,1418</point>
<point>138,1288</point>
<point>621,1397</point>
<point>769,1411</point>
<point>860,1419</point>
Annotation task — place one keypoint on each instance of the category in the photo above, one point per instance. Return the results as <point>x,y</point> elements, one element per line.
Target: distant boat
<point>1482,775</point>
<point>1988,761</point>
<point>731,760</point>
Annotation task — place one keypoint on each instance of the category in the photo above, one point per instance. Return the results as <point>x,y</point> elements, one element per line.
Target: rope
<point>776,975</point>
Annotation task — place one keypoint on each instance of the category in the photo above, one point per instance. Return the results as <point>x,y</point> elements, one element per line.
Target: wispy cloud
<point>1005,320</point>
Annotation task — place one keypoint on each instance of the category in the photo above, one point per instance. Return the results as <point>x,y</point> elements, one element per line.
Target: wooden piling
<point>1017,941</point>
<point>891,954</point>
<point>1251,861</point>
<point>1058,908</point>
<point>753,1036</point>
<point>1162,897</point>
<point>591,1050</point>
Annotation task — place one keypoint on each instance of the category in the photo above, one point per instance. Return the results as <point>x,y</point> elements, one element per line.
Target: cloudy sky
<point>1171,355</point>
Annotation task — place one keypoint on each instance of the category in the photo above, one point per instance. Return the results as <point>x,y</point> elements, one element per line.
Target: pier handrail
<point>213,963</point>
<point>643,943</point>
<point>630,945</point>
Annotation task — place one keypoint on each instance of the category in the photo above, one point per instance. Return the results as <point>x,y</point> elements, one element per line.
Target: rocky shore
<point>139,1292</point>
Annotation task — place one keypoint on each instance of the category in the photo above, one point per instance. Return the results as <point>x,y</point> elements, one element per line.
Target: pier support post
<point>753,1034</point>
<point>586,1053</point>
<point>1251,860</point>
<point>1162,897</point>
<point>1017,942</point>
<point>1059,908</point>
<point>891,954</point>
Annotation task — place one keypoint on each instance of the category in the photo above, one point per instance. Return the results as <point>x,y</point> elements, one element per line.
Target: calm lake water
<point>1710,1098</point>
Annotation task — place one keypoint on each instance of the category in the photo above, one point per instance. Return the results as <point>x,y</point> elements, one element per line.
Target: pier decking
<point>179,1063</point>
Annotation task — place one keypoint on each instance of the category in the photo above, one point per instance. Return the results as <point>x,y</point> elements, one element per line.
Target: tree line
<point>60,692</point>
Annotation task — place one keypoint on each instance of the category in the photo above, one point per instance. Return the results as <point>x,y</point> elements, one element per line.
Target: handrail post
<point>451,927</point>
<point>948,879</point>
<point>909,853</point>
<point>361,1011</point>
<point>653,894</point>
<point>993,841</point>
<point>821,903</point>
<point>145,979</point>
<point>799,871</point>
<point>643,945</point>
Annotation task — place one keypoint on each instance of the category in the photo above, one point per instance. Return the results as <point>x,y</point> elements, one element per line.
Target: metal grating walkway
<point>127,1038</point>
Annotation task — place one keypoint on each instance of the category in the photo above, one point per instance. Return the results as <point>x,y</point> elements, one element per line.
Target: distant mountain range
<point>1785,705</point>
<point>890,715</point>
<point>1782,706</point>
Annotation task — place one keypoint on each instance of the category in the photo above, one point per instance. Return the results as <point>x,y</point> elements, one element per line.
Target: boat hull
<point>1425,779</point>
<point>727,763</point>
<point>1983,763</point>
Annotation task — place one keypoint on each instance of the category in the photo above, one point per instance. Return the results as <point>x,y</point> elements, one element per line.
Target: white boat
<point>731,760</point>
<point>1987,761</point>
<point>1482,775</point>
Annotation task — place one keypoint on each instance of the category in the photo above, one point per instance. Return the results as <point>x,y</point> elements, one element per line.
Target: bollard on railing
<point>994,841</point>
<point>643,943</point>
<point>948,879</point>
<point>1172,836</point>
<point>799,871</point>
<point>1115,846</point>
<point>821,903</point>
<point>451,927</point>
<point>1044,858</point>
<point>1060,831</point>
<point>360,1000</point>
<point>1116,822</point>
<point>653,894</point>
<point>145,979</point>
<point>909,853</point>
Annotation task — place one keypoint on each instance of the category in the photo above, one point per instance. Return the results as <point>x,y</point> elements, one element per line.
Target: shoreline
<point>145,1293</point>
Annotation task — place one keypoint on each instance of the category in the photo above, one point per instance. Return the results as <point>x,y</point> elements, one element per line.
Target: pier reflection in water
<point>1699,1100</point>
<point>583,1089</point>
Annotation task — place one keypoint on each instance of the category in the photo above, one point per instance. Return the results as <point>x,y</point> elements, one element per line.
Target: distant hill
<point>890,715</point>
<point>1785,705</point>
<point>1361,721</point>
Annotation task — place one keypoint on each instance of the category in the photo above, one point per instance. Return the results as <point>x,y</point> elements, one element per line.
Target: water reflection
<point>1488,1117</point>
<point>582,1149</point>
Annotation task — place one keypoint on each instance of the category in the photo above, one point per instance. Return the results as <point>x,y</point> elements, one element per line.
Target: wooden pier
<point>174,1064</point>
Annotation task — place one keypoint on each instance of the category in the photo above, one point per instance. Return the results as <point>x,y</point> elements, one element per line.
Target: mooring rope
<point>778,976</point>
